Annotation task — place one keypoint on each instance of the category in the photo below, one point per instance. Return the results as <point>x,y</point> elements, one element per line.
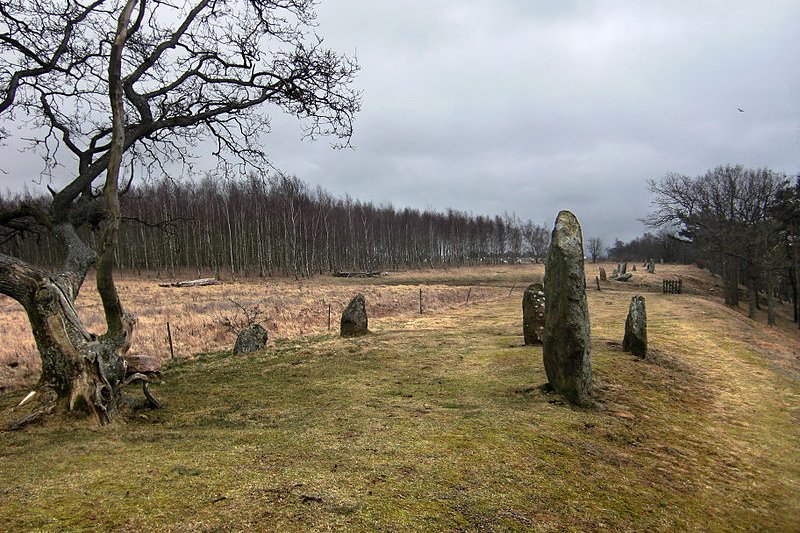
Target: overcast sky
<point>536,106</point>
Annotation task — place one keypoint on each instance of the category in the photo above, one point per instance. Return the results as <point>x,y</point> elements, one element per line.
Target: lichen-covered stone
<point>635,340</point>
<point>354,318</point>
<point>251,339</point>
<point>603,275</point>
<point>533,314</point>
<point>567,343</point>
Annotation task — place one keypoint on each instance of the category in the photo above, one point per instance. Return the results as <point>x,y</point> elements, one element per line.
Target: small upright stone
<point>567,342</point>
<point>635,340</point>
<point>354,318</point>
<point>251,339</point>
<point>603,275</point>
<point>533,314</point>
<point>651,266</point>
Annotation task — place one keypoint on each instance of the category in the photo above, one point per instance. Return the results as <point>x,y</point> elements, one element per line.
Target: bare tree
<point>595,248</point>
<point>787,214</point>
<point>727,213</point>
<point>144,80</point>
<point>537,240</point>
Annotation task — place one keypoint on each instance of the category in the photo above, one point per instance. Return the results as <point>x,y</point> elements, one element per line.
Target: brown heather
<point>293,309</point>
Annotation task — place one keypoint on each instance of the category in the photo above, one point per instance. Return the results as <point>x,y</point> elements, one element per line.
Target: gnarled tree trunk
<point>730,276</point>
<point>80,371</point>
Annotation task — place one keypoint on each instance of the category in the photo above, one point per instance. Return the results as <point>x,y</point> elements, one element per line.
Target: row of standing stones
<point>555,315</point>
<point>620,272</point>
<point>533,321</point>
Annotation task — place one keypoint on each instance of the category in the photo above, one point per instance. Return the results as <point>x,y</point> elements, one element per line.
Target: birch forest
<point>278,225</point>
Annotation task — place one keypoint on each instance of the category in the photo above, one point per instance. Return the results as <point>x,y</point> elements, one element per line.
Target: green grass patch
<point>436,423</point>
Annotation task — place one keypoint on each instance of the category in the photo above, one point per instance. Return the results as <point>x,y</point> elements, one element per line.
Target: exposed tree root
<point>38,404</point>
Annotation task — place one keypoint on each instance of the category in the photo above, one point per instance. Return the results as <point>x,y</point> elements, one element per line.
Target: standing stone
<point>251,339</point>
<point>533,314</point>
<point>354,318</point>
<point>651,266</point>
<point>635,340</point>
<point>603,275</point>
<point>615,273</point>
<point>633,268</point>
<point>624,269</point>
<point>567,342</point>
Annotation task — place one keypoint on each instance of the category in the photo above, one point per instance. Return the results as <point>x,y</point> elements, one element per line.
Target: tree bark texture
<point>79,370</point>
<point>730,277</point>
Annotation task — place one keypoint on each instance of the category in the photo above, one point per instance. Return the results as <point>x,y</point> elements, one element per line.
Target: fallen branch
<point>364,274</point>
<point>191,283</point>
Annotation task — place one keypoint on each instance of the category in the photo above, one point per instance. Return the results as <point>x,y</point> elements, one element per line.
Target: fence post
<point>468,293</point>
<point>329,317</point>
<point>169,336</point>
<point>420,301</point>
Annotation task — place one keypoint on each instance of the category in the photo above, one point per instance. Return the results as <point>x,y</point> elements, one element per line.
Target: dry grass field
<point>433,422</point>
<point>292,309</point>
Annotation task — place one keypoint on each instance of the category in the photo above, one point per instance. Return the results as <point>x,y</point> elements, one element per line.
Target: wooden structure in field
<point>672,286</point>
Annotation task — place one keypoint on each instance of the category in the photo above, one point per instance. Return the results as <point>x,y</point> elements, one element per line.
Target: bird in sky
<point>740,110</point>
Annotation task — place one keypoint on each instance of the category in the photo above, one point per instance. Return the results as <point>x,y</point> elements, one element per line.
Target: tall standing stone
<point>567,343</point>
<point>603,275</point>
<point>354,318</point>
<point>533,314</point>
<point>635,340</point>
<point>624,269</point>
<point>651,266</point>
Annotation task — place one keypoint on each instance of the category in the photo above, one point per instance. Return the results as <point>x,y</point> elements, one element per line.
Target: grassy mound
<point>439,422</point>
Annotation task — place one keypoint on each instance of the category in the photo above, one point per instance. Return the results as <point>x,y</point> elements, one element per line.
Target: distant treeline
<point>740,223</point>
<point>278,225</point>
<point>662,245</point>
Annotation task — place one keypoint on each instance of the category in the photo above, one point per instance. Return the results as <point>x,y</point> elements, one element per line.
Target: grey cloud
<point>533,106</point>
